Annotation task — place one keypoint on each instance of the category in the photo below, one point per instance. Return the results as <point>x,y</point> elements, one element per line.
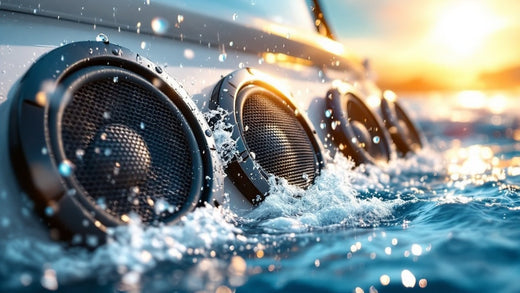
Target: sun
<point>464,26</point>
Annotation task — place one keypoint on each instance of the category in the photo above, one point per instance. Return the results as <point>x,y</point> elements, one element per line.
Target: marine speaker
<point>402,130</point>
<point>356,130</point>
<point>272,136</point>
<point>101,136</point>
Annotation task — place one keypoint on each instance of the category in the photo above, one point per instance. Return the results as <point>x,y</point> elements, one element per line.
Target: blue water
<point>445,219</point>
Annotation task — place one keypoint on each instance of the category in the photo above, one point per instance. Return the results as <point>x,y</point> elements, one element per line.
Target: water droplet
<point>80,153</point>
<point>103,136</point>
<point>333,125</point>
<point>108,152</point>
<point>231,44</point>
<point>305,177</point>
<point>115,79</point>
<point>106,115</point>
<point>143,45</point>
<point>101,37</point>
<point>158,69</point>
<point>141,125</point>
<point>376,139</point>
<point>90,51</point>
<point>253,155</point>
<point>261,61</point>
<point>117,52</point>
<point>65,168</point>
<point>246,128</point>
<point>160,25</point>
<point>241,65</point>
<point>62,58</point>
<point>323,125</point>
<point>328,113</point>
<point>225,90</point>
<point>235,16</point>
<point>44,151</point>
<point>320,74</point>
<point>71,192</point>
<point>222,57</point>
<point>180,18</point>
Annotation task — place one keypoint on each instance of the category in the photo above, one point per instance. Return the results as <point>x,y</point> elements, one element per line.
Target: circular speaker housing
<point>272,135</point>
<point>356,130</point>
<point>100,134</point>
<point>402,130</point>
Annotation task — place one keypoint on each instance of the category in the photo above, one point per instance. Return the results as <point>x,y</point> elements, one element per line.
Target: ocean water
<point>444,219</point>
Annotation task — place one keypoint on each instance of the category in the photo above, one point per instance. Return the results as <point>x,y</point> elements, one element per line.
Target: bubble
<point>49,280</point>
<point>328,113</point>
<point>160,206</point>
<point>416,249</point>
<point>26,279</point>
<point>101,37</point>
<point>384,279</point>
<point>222,57</point>
<point>49,211</point>
<point>65,168</point>
<point>5,222</point>
<point>160,25</point>
<point>189,54</point>
<point>101,202</point>
<point>408,279</point>
<point>376,139</point>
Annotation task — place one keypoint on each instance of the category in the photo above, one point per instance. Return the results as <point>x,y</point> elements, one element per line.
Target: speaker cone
<point>272,135</point>
<point>102,135</point>
<point>402,130</point>
<point>356,130</point>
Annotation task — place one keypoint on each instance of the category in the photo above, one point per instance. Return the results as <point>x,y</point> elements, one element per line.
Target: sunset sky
<point>433,44</point>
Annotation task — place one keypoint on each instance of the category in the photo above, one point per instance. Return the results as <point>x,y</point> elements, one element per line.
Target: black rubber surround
<point>357,131</point>
<point>100,133</point>
<point>272,135</point>
<point>402,130</point>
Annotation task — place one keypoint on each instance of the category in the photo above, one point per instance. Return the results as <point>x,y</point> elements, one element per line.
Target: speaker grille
<point>275,135</point>
<point>130,146</point>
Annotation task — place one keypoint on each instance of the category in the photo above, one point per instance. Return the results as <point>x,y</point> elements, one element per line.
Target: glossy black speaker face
<point>403,132</point>
<point>101,135</point>
<point>272,135</point>
<point>357,132</point>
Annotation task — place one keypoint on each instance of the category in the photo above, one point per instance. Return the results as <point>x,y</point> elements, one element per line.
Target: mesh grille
<point>130,146</point>
<point>278,140</point>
